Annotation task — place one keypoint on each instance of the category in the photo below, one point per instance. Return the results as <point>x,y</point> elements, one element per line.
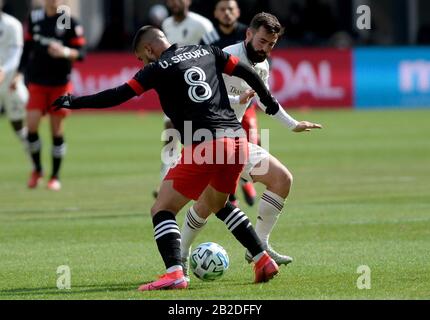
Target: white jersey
<point>188,32</point>
<point>11,45</point>
<point>236,86</point>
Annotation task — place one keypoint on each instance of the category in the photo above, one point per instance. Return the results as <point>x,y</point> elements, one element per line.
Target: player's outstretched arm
<point>105,99</point>
<point>273,107</point>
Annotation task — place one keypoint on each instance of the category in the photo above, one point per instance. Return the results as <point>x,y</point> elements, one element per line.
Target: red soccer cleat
<point>170,281</point>
<point>265,269</point>
<point>54,185</point>
<point>34,180</point>
<point>249,193</point>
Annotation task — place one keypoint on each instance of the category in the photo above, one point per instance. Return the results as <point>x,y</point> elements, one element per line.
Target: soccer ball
<point>209,261</point>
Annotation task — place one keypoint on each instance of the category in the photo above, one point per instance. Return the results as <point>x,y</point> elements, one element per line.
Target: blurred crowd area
<point>111,24</point>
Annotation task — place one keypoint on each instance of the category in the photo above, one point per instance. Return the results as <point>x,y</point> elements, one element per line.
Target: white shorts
<point>257,155</point>
<point>14,102</point>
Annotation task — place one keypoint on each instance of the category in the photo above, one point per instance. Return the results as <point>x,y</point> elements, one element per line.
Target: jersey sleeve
<point>266,77</point>
<point>28,45</point>
<point>143,80</point>
<point>28,30</point>
<point>77,38</point>
<point>226,62</point>
<point>210,37</point>
<point>14,49</point>
<point>17,39</point>
<point>207,26</point>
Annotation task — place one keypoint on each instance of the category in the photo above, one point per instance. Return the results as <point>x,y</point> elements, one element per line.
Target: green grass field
<point>361,197</point>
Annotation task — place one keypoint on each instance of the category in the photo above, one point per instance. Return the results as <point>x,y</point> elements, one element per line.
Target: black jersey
<point>192,91</point>
<point>191,88</point>
<point>38,66</point>
<point>221,40</point>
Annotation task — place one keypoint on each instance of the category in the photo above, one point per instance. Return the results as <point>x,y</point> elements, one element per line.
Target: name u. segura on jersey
<point>184,57</point>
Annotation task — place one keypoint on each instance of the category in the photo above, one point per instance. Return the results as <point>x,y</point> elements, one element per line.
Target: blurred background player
<point>51,46</point>
<point>157,14</point>
<point>261,38</point>
<point>229,31</point>
<point>13,93</point>
<point>183,27</point>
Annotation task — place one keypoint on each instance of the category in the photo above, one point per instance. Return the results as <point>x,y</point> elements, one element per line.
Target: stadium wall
<point>317,78</point>
<point>392,77</point>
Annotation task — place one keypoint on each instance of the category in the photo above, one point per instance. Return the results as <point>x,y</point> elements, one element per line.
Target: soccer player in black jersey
<point>193,94</point>
<point>53,41</point>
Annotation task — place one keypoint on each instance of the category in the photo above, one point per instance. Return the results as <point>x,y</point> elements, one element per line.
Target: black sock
<point>168,238</point>
<point>232,198</point>
<point>35,146</point>
<point>239,224</point>
<point>58,152</point>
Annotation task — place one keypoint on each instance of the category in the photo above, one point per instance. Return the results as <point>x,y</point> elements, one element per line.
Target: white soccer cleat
<point>277,257</point>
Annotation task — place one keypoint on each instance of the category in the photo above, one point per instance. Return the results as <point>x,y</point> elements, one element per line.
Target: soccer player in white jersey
<point>184,27</point>
<point>13,93</point>
<point>261,38</point>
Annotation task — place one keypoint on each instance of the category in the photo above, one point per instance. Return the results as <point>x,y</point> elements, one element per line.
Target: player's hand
<point>247,96</point>
<point>2,75</point>
<point>16,79</point>
<point>64,102</point>
<point>305,126</point>
<point>57,50</point>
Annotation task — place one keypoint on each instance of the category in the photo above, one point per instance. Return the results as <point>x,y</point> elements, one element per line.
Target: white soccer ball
<point>209,261</point>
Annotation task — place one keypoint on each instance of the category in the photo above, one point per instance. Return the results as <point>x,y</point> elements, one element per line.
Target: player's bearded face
<point>254,55</point>
<point>259,45</point>
<point>178,7</point>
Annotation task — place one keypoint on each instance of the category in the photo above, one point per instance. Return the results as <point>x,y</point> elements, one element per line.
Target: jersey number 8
<point>190,79</point>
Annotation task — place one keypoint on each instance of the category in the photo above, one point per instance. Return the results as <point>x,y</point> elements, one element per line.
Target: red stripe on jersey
<point>28,36</point>
<point>136,86</point>
<point>78,42</point>
<point>231,65</point>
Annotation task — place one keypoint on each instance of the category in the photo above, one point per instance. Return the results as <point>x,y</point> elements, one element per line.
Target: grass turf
<point>361,197</point>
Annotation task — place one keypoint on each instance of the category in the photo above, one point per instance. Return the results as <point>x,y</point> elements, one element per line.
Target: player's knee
<point>282,183</point>
<point>202,210</point>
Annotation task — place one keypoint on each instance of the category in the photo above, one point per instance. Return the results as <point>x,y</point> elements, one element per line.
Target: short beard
<point>253,55</point>
<point>230,25</point>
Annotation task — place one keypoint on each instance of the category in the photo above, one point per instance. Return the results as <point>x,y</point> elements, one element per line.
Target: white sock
<point>193,224</point>
<point>270,209</point>
<point>22,136</point>
<point>174,269</point>
<point>258,257</point>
